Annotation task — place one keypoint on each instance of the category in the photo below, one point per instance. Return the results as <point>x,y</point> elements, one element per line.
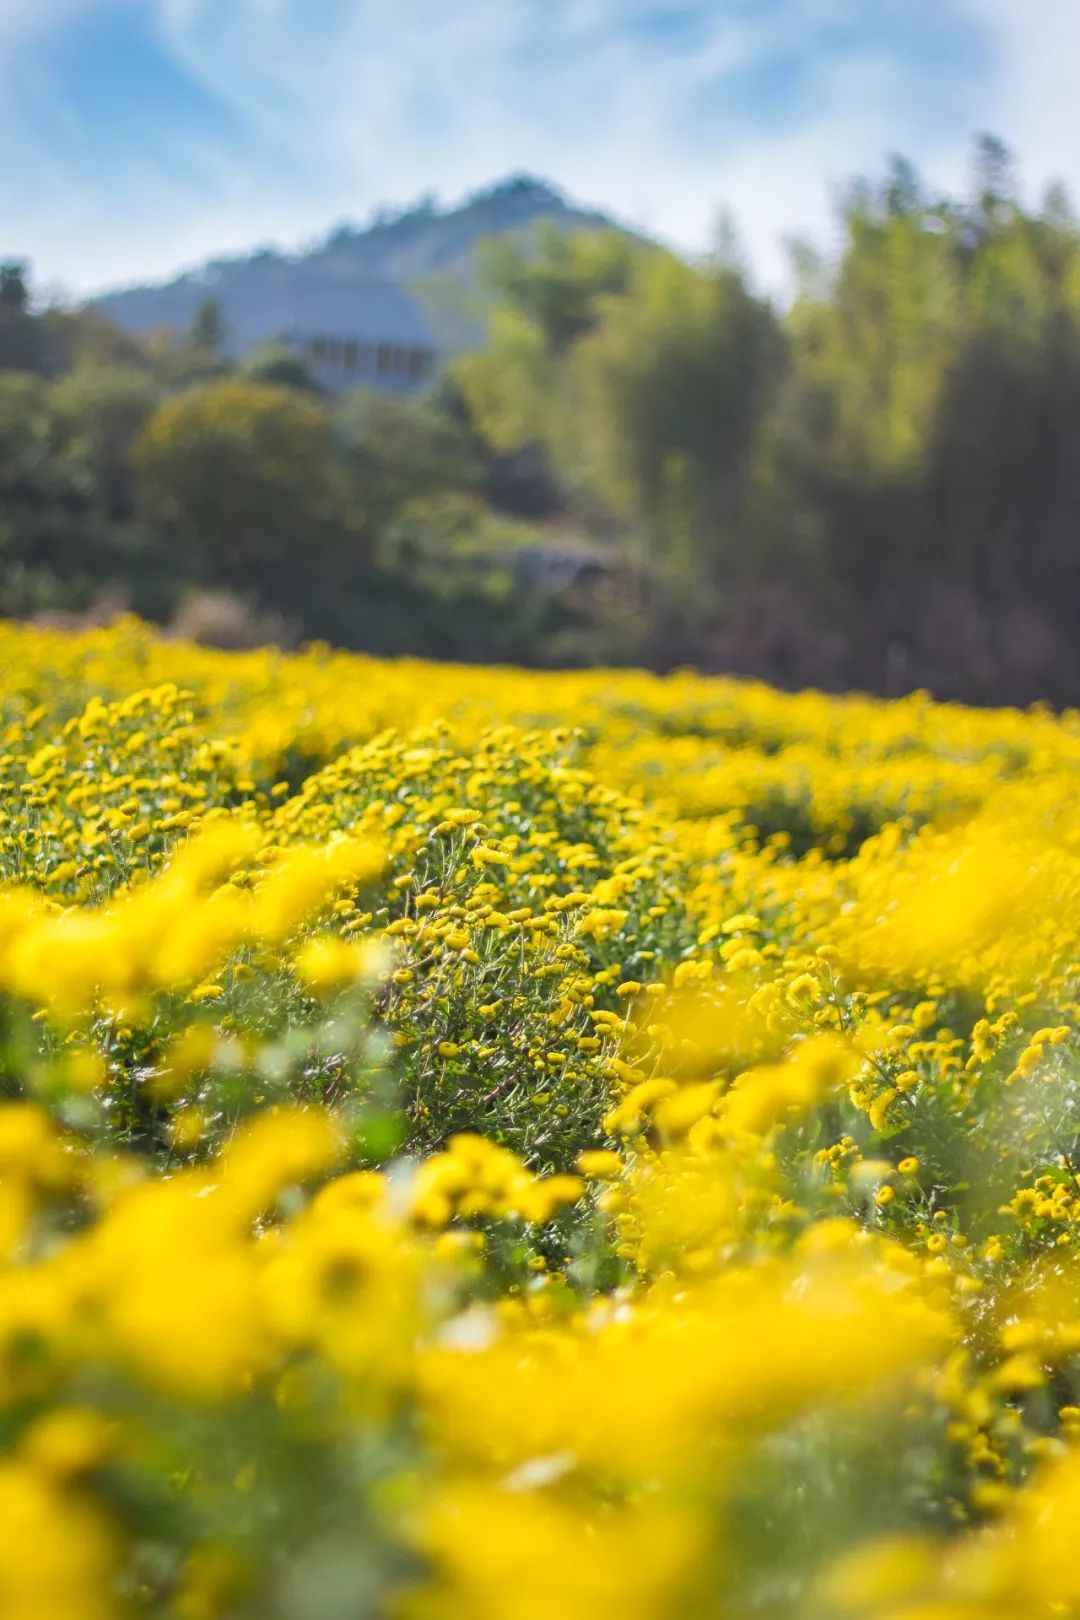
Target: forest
<point>868,485</point>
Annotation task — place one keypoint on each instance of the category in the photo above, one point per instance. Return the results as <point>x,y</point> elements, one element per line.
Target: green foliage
<point>98,412</point>
<point>83,338</point>
<point>403,449</point>
<point>558,286</point>
<point>208,327</point>
<point>669,392</point>
<point>25,435</point>
<point>245,481</point>
<point>921,441</point>
<point>873,354</point>
<point>548,301</point>
<point>511,387</point>
<point>454,577</point>
<point>14,293</point>
<point>277,366</point>
<point>62,494</point>
<point>646,380</point>
<point>23,341</point>
<point>876,487</point>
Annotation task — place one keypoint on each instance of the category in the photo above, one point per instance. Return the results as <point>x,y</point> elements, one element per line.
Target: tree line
<point>238,502</point>
<point>876,485</point>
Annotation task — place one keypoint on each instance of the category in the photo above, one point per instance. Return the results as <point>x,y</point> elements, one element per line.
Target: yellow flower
<point>486,855</point>
<point>206,992</point>
<point>59,1553</point>
<point>879,1108</point>
<point>69,1440</point>
<point>324,963</point>
<point>600,1164</point>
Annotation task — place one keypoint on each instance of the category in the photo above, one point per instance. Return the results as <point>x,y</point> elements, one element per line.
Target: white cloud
<point>1035,105</point>
<point>344,104</point>
<point>429,95</point>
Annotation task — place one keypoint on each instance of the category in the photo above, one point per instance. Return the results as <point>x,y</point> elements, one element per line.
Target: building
<point>356,362</point>
<point>351,331</point>
<point>371,334</point>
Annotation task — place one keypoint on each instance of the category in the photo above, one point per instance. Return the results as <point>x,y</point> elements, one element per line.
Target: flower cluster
<point>485,1146</point>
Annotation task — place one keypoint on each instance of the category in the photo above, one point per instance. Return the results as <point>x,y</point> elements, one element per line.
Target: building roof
<point>271,300</point>
<point>369,311</point>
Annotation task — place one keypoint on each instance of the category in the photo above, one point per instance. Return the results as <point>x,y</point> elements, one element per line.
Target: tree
<point>920,452</point>
<point>86,338</point>
<point>23,338</point>
<point>57,546</point>
<point>208,332</point>
<point>1003,481</point>
<point>276,365</point>
<point>558,285</point>
<point>248,482</point>
<point>36,511</point>
<point>99,411</point>
<point>27,429</point>
<point>995,191</point>
<point>669,391</point>
<point>872,339</point>
<point>402,450</point>
<point>546,301</point>
<point>14,293</point>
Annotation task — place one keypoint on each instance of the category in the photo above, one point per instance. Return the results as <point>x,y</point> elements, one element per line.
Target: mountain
<point>407,278</point>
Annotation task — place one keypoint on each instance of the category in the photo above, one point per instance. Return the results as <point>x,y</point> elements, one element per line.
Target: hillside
<point>421,265</point>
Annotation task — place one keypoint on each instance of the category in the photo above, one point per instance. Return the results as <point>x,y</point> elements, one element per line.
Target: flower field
<point>479,1145</point>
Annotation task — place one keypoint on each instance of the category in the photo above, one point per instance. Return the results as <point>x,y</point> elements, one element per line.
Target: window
<point>418,362</point>
<point>351,355</point>
<point>384,359</point>
<point>317,347</point>
<point>333,351</point>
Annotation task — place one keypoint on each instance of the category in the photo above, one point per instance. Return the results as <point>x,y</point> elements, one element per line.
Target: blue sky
<point>140,136</point>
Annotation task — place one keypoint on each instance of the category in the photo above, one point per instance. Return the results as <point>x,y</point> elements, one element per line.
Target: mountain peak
<point>423,255</point>
<point>531,187</point>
